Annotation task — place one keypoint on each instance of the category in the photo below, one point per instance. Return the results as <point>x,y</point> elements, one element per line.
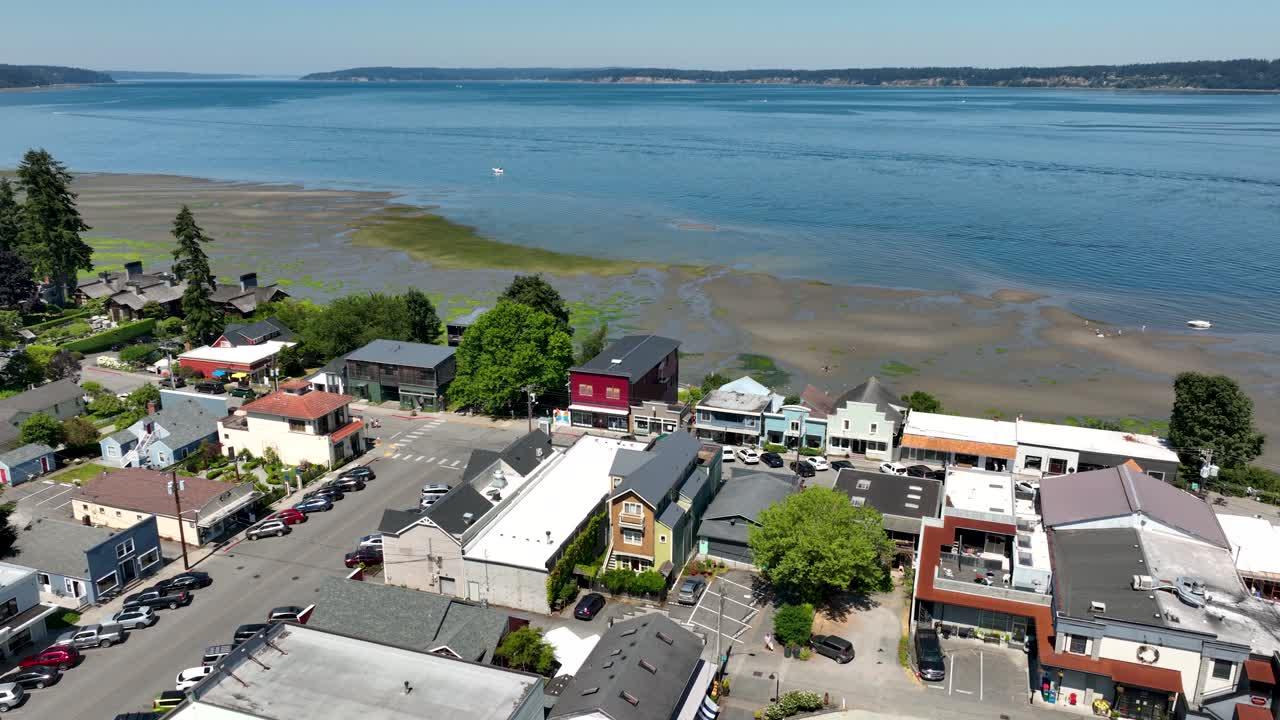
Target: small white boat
<point>498,171</point>
<point>1199,324</point>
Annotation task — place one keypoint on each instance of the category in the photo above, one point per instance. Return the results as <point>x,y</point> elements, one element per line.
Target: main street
<point>250,578</point>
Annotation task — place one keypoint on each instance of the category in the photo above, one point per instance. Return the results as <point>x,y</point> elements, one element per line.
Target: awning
<point>25,619</point>
<point>1146,676</point>
<point>963,447</point>
<point>594,409</point>
<point>227,510</point>
<point>239,376</point>
<point>1259,671</point>
<point>219,373</point>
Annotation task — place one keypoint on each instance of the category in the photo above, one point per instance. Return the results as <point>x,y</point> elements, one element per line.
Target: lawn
<point>763,369</point>
<point>83,473</point>
<point>112,253</point>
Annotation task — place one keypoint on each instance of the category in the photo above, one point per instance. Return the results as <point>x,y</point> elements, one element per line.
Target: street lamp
<point>777,686</point>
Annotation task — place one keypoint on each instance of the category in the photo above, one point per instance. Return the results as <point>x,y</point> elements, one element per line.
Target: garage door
<point>448,586</point>
<point>729,551</point>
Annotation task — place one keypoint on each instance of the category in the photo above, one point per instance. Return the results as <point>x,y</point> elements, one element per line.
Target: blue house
<point>805,422</point>
<point>27,462</point>
<point>75,564</point>
<point>162,438</point>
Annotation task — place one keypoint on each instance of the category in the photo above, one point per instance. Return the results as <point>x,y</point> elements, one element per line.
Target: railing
<point>979,515</point>
<point>992,591</point>
<point>632,519</point>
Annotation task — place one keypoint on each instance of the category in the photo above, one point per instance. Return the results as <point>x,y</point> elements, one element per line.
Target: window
<point>1157,474</point>
<point>846,424</point>
<point>1077,644</point>
<point>585,390</point>
<point>632,537</point>
<point>965,459</point>
<point>1057,466</point>
<point>106,582</point>
<point>125,548</point>
<point>1222,669</point>
<point>642,425</point>
<point>662,538</point>
<point>669,427</point>
<point>226,436</point>
<point>613,393</point>
<point>113,451</point>
<point>795,426</point>
<point>42,579</point>
<point>858,501</point>
<point>875,428</point>
<point>1032,462</point>
<point>297,425</point>
<point>148,558</point>
<point>631,508</point>
<point>8,609</point>
<point>117,513</point>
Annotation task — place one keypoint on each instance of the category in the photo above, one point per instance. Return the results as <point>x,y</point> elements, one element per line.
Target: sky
<point>293,37</point>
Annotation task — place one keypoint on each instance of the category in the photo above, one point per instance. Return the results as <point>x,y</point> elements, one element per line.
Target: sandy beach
<point>1006,354</point>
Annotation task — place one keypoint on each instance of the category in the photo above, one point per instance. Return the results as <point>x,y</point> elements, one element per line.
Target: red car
<point>290,516</point>
<point>59,656</point>
<point>364,555</point>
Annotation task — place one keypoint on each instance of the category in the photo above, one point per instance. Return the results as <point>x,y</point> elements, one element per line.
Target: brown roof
<point>1259,671</point>
<point>346,431</point>
<point>146,491</point>
<point>1245,711</point>
<point>307,406</point>
<point>966,447</point>
<point>819,403</point>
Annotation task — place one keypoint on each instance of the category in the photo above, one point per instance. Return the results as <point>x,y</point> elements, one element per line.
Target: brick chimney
<point>248,281</point>
<point>133,269</point>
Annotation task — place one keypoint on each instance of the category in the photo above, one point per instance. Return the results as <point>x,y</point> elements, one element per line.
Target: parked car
<point>151,597</point>
<point>749,456</point>
<point>243,392</point>
<point>931,664</point>
<point>363,556</point>
<point>435,489</point>
<point>841,465</point>
<point>818,462</point>
<point>924,471</point>
<point>214,653</point>
<point>726,453</point>
<point>893,468</point>
<point>347,484</point>
<point>690,590</point>
<point>834,647</point>
<point>289,516</point>
<point>284,612</point>
<point>316,504</point>
<point>326,492</point>
<point>11,696</point>
<point>803,469</point>
<point>191,677</point>
<point>93,636</point>
<point>211,388</point>
<point>374,541</point>
<point>167,700</point>
<point>246,631</point>
<point>589,606</point>
<point>429,500</point>
<point>38,677</point>
<point>139,617</point>
<point>267,528</point>
<point>772,459</point>
<point>364,472</point>
<point>192,580</point>
<point>57,656</point>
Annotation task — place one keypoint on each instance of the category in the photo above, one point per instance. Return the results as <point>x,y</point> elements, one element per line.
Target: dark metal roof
<point>393,521</point>
<point>397,352</point>
<point>874,393</point>
<point>523,453</point>
<point>892,494</point>
<point>639,670</point>
<point>450,511</point>
<point>631,356</point>
<point>738,505</point>
<point>258,332</point>
<point>1099,565</point>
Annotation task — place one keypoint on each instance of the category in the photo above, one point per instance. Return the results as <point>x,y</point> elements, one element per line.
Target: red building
<point>630,371</point>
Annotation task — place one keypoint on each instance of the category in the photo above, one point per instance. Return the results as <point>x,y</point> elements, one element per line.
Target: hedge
<point>37,327</point>
<point>561,584</point>
<point>104,341</point>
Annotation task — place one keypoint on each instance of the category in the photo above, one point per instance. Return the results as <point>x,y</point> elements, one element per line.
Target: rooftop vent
<point>632,699</point>
<point>653,669</point>
<point>628,631</point>
<point>616,361</point>
<point>548,537</point>
<point>1096,606</point>
<point>1190,591</point>
<point>499,481</point>
<point>863,484</point>
<point>467,518</point>
<point>665,638</point>
<point>537,452</point>
<point>590,691</point>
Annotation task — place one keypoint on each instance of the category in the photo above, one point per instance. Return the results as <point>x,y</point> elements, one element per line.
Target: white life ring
<point>1148,655</point>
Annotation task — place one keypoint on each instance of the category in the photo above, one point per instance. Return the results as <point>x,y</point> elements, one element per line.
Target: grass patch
<point>904,652</point>
<point>83,473</point>
<point>449,245</point>
<point>1045,380</point>
<point>763,369</point>
<point>897,368</point>
<point>63,621</point>
<point>1002,350</point>
<point>1137,425</point>
<point>111,253</point>
<point>586,315</point>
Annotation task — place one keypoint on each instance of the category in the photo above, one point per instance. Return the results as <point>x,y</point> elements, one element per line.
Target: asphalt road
<point>250,578</point>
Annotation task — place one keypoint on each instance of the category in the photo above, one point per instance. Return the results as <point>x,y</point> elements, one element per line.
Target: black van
<point>931,664</point>
<point>834,647</point>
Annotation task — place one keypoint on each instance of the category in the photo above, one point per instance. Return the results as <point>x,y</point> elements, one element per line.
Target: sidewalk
<point>389,409</point>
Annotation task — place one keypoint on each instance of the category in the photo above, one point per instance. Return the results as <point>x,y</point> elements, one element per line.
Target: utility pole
<point>530,397</point>
<point>719,633</point>
<point>173,378</point>
<point>175,489</point>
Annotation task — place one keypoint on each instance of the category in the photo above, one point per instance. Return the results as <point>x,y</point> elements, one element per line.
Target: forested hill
<point>19,76</point>
<point>1196,75</point>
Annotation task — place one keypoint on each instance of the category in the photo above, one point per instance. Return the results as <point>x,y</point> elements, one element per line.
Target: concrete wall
<point>269,432</point>
<point>420,556</point>
<point>520,588</point>
<point>1069,458</point>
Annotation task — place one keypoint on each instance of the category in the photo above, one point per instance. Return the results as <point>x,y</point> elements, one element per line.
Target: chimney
<point>467,518</point>
<point>548,537</point>
<point>104,276</point>
<point>133,269</point>
<point>248,281</point>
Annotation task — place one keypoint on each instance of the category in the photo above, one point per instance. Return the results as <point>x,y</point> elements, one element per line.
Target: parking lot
<point>983,673</point>
<point>741,608</point>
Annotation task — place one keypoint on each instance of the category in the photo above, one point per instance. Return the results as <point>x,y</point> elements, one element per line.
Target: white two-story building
<point>299,423</point>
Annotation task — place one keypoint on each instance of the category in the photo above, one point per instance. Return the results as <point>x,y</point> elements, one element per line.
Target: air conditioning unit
<point>1096,606</point>
<point>1144,582</point>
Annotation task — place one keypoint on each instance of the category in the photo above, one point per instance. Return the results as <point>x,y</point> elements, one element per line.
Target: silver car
<point>139,617</point>
<point>11,696</point>
<point>267,529</point>
<point>690,590</point>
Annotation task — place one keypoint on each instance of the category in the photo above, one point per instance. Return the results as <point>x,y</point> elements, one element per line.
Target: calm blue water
<point>1132,207</point>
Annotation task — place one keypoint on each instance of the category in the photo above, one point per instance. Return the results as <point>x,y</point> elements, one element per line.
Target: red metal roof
<point>346,431</point>
<point>307,406</point>
<point>1245,711</point>
<point>1259,671</point>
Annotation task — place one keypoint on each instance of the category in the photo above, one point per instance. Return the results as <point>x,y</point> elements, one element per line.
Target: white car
<point>140,617</point>
<point>374,541</point>
<point>11,695</point>
<point>726,453</point>
<point>817,462</point>
<point>191,677</point>
<point>749,456</point>
<point>893,468</point>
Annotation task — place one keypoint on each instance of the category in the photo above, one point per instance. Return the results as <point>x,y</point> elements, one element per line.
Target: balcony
<point>631,520</point>
<point>982,576</point>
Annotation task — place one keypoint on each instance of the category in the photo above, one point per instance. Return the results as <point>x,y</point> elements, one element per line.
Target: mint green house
<point>866,422</point>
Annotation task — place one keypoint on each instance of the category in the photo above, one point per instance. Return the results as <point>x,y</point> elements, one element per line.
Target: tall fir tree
<point>201,316</point>
<point>50,223</point>
<point>424,322</point>
<point>10,216</point>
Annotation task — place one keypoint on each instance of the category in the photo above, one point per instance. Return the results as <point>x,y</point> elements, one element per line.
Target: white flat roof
<point>1025,511</point>
<point>980,490</point>
<point>1108,442</point>
<point>555,499</point>
<point>10,573</point>
<point>240,355</point>
<point>1253,542</point>
<point>958,427</point>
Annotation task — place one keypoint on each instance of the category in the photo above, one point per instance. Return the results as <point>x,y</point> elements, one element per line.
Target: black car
<point>803,469</point>
<point>589,606</point>
<point>347,484</point>
<point>931,664</point>
<point>924,471</point>
<point>332,494</point>
<point>362,472</point>
<point>841,465</point>
<point>244,632</point>
<point>193,580</point>
<point>772,459</point>
<point>37,677</point>
<point>155,598</point>
<point>243,392</point>
<point>211,388</point>
<point>834,647</point>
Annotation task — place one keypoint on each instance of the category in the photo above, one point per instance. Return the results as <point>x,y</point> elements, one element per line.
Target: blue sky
<point>294,37</point>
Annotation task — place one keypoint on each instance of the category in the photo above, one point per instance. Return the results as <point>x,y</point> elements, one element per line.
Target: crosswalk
<point>422,429</point>
<point>443,462</point>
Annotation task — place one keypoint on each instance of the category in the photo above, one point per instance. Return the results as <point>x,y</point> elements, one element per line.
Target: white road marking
<point>396,456</point>
<point>726,580</point>
<point>55,497</point>
<point>979,676</point>
<point>951,676</point>
<point>393,437</point>
<point>713,630</point>
<point>444,460</point>
<point>935,687</point>
<point>455,463</point>
<point>735,602</point>
<point>433,459</point>
<point>965,692</point>
<point>48,482</point>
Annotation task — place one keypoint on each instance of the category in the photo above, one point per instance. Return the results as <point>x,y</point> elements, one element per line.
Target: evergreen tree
<point>424,322</point>
<point>538,294</point>
<point>189,255</point>
<point>10,216</point>
<point>50,226</point>
<point>17,283</point>
<point>593,344</point>
<point>202,316</point>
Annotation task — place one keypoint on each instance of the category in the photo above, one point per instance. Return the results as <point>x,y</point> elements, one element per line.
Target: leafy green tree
<point>712,381</point>
<point>168,328</point>
<point>791,400</point>
<point>41,428</point>
<point>138,354</point>
<point>152,309</point>
<point>1212,412</point>
<point>17,283</point>
<point>538,294</point>
<point>203,318</point>
<point>351,322</point>
<point>922,402</point>
<point>80,434</point>
<point>188,255</point>
<point>63,364</point>
<point>49,235</point>
<point>816,542</point>
<point>793,624</point>
<point>617,580</point>
<point>593,344</point>
<point>510,347</point>
<point>10,217</point>
<point>290,360</point>
<point>526,649</point>
<point>142,395</point>
<point>424,322</point>
<point>106,405</point>
<point>41,356</point>
<point>10,324</point>
<point>21,370</point>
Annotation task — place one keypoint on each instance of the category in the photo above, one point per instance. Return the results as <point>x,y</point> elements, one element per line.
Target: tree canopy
<point>424,322</point>
<point>712,381</point>
<point>921,401</point>
<point>10,217</point>
<point>189,255</point>
<point>17,282</point>
<point>526,649</point>
<point>593,344</point>
<point>42,428</point>
<point>202,316</point>
<point>1212,412</point>
<point>816,542</point>
<point>538,294</point>
<point>50,227</point>
<point>510,347</point>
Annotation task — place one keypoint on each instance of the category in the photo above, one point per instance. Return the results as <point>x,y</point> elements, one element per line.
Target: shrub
<point>525,649</point>
<point>617,580</point>
<point>43,429</point>
<point>649,582</point>
<point>805,653</point>
<point>561,584</point>
<point>106,405</point>
<point>118,335</point>
<point>140,354</point>
<point>774,448</point>
<point>811,452</point>
<point>793,624</point>
<point>214,474</point>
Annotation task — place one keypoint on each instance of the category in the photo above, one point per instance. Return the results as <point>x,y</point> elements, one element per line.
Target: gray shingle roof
<point>449,512</point>
<point>479,462</point>
<point>1119,491</point>
<point>396,352</point>
<point>258,332</point>
<point>739,503</point>
<point>669,459</point>
<point>673,653</point>
<point>874,393</point>
<point>57,546</point>
<point>26,453</point>
<point>891,494</point>
<point>408,618</point>
<point>627,461</point>
<point>43,397</point>
<point>522,454</point>
<point>636,355</point>
<point>186,421</point>
<point>393,521</point>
